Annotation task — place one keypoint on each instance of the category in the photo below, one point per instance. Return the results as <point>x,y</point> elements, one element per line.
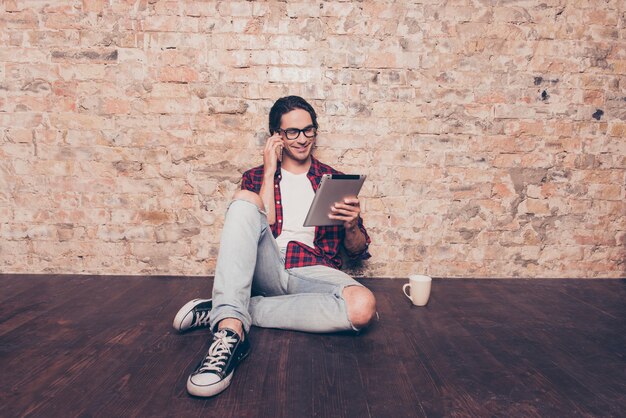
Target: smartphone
<point>279,153</point>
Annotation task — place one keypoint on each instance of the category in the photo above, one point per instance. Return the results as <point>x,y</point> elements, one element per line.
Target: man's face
<point>300,148</point>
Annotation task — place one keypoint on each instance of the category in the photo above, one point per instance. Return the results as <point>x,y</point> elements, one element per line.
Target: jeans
<point>250,263</point>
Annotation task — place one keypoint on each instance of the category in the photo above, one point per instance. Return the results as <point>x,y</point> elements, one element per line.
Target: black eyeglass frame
<point>303,131</point>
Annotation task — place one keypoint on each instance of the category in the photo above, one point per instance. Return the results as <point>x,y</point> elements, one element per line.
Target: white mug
<point>419,286</point>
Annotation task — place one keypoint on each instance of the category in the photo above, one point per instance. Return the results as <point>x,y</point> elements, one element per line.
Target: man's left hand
<point>348,212</point>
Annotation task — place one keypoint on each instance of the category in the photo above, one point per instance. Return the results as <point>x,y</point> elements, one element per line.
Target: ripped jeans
<point>250,263</point>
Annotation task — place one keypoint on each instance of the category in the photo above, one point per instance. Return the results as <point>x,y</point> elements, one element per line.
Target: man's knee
<point>250,197</point>
<point>361,305</point>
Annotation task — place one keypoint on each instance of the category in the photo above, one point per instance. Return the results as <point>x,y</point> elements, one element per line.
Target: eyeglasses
<point>294,133</point>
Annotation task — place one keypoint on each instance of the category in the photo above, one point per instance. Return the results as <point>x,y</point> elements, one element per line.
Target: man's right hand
<point>273,148</point>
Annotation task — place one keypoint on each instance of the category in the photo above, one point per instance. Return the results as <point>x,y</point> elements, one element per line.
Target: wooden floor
<point>104,347</point>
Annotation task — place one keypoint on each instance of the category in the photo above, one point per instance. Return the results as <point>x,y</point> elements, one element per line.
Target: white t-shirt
<point>297,194</point>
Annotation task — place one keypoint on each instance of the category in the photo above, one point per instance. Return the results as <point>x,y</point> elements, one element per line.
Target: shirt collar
<point>315,170</point>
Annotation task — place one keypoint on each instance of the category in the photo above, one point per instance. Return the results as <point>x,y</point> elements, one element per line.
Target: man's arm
<point>355,241</point>
<point>349,211</point>
<point>270,164</point>
<point>267,196</point>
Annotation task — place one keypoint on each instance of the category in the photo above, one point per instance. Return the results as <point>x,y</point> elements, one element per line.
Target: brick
<point>336,9</point>
<point>303,9</point>
<point>158,252</point>
<point>172,106</point>
<point>13,231</point>
<point>180,74</point>
<point>68,88</point>
<point>19,19</point>
<point>101,56</point>
<point>585,237</point>
<point>235,8</point>
<point>12,6</point>
<point>68,232</point>
<point>42,233</point>
<point>294,74</point>
<point>246,75</point>
<point>77,249</point>
<point>57,168</point>
<point>159,90</point>
<point>13,249</point>
<point>597,176</point>
<point>115,106</point>
<point>171,24</point>
<point>76,121</point>
<point>607,191</point>
<point>93,6</point>
<point>64,21</point>
<point>537,207</point>
<point>391,60</point>
<point>21,120</point>
<point>618,129</point>
<point>22,55</point>
<point>506,111</point>
<point>600,17</point>
<point>290,42</point>
<point>132,234</point>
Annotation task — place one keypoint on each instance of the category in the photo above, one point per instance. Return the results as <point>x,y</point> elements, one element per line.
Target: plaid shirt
<point>328,239</point>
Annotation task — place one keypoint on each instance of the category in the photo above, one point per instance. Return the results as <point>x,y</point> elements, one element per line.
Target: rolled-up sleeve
<point>363,254</point>
<point>248,183</point>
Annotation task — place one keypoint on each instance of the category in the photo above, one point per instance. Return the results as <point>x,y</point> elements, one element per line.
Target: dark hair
<point>286,105</point>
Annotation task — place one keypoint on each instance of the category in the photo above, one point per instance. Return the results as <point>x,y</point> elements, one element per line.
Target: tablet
<point>333,188</point>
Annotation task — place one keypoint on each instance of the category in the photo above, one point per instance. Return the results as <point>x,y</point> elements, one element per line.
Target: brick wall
<point>493,133</point>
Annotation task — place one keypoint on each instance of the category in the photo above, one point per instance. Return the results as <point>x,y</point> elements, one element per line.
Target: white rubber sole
<point>209,390</point>
<point>184,312</point>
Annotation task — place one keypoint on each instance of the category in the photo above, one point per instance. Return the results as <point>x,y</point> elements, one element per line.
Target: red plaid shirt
<point>328,239</point>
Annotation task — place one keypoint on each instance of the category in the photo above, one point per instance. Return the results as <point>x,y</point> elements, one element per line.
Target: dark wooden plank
<point>76,336</point>
<point>536,344</point>
<point>335,379</point>
<point>277,361</point>
<point>581,346</point>
<point>497,383</point>
<point>104,346</point>
<point>35,296</point>
<point>117,321</point>
<point>605,295</point>
<point>394,381</point>
<point>154,360</point>
<point>439,347</point>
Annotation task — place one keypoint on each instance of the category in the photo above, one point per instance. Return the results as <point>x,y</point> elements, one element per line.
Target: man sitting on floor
<point>265,251</point>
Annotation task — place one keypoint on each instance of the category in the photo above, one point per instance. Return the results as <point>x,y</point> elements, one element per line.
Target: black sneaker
<point>193,314</point>
<point>215,371</point>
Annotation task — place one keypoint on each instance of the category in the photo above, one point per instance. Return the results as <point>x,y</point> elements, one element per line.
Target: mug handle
<point>404,290</point>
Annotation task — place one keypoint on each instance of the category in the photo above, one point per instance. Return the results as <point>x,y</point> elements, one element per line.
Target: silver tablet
<point>333,188</point>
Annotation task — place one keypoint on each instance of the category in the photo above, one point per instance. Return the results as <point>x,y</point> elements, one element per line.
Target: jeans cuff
<point>223,314</point>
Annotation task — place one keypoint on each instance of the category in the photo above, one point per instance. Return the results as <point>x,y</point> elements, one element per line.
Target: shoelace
<point>218,353</point>
<point>201,318</point>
